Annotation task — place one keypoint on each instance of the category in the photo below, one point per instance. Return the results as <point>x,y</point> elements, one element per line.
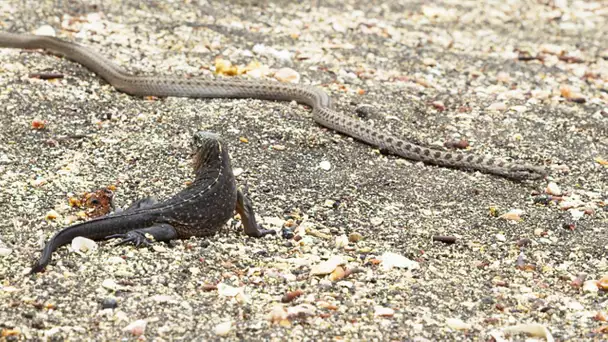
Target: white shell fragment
<point>136,328</point>
<point>325,165</point>
<point>590,286</point>
<point>553,189</point>
<point>301,310</point>
<point>4,251</point>
<point>328,266</point>
<point>237,171</point>
<point>83,245</point>
<point>45,30</point>
<point>51,215</point>
<point>287,75</point>
<point>223,329</point>
<point>341,241</point>
<point>227,290</point>
<point>536,330</point>
<point>497,106</point>
<point>277,314</point>
<point>114,260</point>
<point>237,293</point>
<point>457,324</point>
<point>376,221</point>
<point>577,214</point>
<point>390,260</point>
<point>282,55</point>
<point>381,311</point>
<point>109,284</point>
<point>514,215</point>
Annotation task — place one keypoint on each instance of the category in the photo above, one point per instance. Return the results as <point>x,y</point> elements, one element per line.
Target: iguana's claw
<point>135,237</point>
<point>261,231</point>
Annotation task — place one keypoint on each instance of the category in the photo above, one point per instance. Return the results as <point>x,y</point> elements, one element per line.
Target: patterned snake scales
<point>267,90</point>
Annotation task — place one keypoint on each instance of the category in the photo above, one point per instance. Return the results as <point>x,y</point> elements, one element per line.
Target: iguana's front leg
<point>245,210</point>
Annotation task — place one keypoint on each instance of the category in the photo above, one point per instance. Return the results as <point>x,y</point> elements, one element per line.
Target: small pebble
<point>290,296</point>
<point>109,284</point>
<point>287,233</point>
<point>337,274</point>
<point>328,266</point>
<point>553,189</point>
<point>513,215</point>
<point>376,221</point>
<point>381,311</point>
<point>277,314</point>
<point>159,248</point>
<point>223,329</point>
<point>325,283</point>
<point>364,111</point>
<point>287,75</point>
<point>460,144</point>
<point>341,241</point>
<point>325,165</point>
<point>429,62</point>
<point>457,324</point>
<point>51,215</point>
<point>109,303</point>
<point>355,237</point>
<point>445,239</point>
<point>497,106</point>
<point>542,199</point>
<point>81,244</point>
<point>503,77</point>
<point>590,286</point>
<point>116,260</point>
<point>329,203</point>
<point>440,106</point>
<point>227,290</point>
<point>603,283</point>
<point>45,30</point>
<point>136,328</point>
<point>576,214</point>
<point>390,260</point>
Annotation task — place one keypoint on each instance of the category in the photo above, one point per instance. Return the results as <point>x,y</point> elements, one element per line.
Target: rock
<point>355,237</point>
<point>109,303</point>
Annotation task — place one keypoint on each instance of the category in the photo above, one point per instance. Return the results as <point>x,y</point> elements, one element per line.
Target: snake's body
<point>268,90</point>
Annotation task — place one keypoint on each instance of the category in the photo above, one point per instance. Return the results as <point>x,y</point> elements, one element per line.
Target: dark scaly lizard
<point>199,210</point>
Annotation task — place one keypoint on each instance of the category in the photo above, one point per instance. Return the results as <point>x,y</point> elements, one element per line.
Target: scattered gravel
<point>372,247</point>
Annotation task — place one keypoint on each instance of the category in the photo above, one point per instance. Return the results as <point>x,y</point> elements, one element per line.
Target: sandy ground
<point>526,81</point>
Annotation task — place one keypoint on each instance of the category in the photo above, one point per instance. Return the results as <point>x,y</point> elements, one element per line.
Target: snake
<point>316,98</point>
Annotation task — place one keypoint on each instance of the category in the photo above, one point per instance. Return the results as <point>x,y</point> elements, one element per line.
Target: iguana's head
<point>207,149</point>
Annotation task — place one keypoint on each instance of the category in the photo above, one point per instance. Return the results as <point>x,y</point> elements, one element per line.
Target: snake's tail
<point>411,151</point>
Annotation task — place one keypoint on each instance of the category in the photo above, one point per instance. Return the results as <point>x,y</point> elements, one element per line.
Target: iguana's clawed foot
<point>245,210</point>
<point>260,232</point>
<point>135,237</point>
